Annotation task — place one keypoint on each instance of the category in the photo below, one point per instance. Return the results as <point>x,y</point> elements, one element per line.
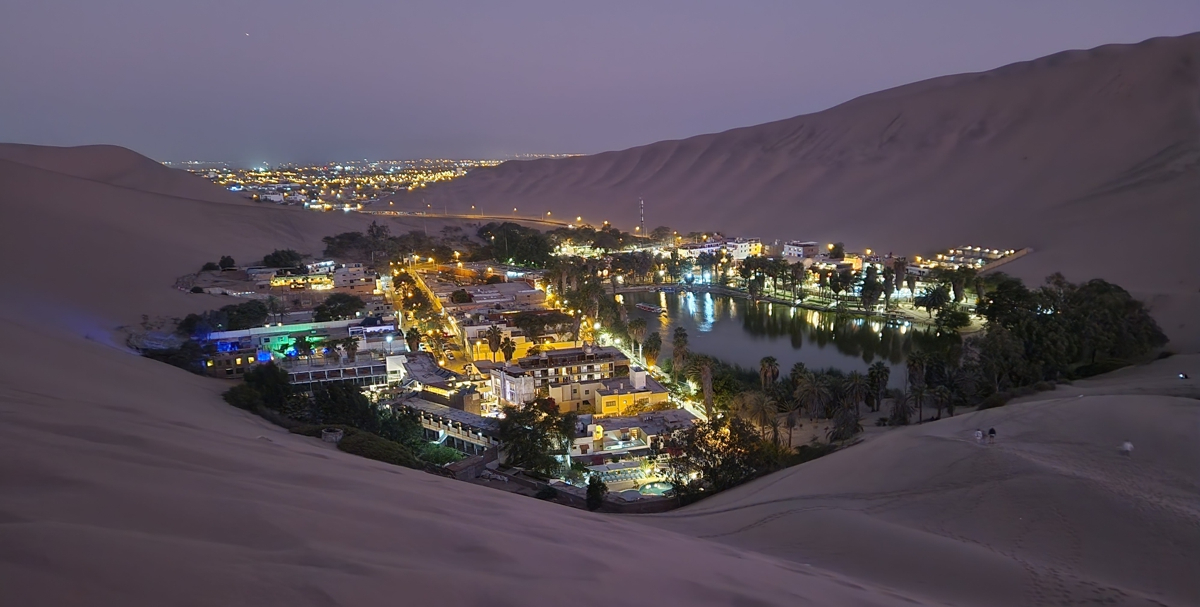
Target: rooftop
<point>485,425</point>
<point>653,424</point>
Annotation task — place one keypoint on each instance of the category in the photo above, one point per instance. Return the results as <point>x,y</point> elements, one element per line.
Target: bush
<point>244,396</point>
<point>998,399</point>
<point>1098,368</point>
<point>370,446</point>
<point>189,356</point>
<point>1044,386</point>
<point>197,289</point>
<point>547,493</point>
<point>439,455</point>
<point>596,490</point>
<point>226,262</point>
<point>210,267</point>
<point>282,258</point>
<point>811,451</point>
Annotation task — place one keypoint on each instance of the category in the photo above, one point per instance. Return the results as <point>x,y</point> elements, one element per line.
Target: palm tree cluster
<point>1058,330</point>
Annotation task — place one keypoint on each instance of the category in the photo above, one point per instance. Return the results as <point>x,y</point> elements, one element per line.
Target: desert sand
<point>1092,158</point>
<point>125,481</point>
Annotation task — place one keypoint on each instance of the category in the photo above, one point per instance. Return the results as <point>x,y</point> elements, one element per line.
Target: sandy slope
<point>124,481</point>
<point>1050,515</point>
<point>114,165</point>
<point>1090,157</point>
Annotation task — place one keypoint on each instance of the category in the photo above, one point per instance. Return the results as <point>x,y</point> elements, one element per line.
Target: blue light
<point>264,356</point>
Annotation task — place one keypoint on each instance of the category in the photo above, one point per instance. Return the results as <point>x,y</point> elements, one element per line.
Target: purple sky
<point>350,79</point>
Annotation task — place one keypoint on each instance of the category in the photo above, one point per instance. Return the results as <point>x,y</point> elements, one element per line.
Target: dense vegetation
<point>232,317</point>
<point>339,306</point>
<point>381,432</point>
<point>283,258</point>
<point>536,435</point>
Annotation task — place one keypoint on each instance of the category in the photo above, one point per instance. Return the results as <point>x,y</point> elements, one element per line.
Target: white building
<point>741,248</point>
<point>806,249</point>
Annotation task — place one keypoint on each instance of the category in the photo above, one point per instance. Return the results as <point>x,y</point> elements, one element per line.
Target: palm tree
<point>303,347</point>
<point>350,347</point>
<point>706,386</point>
<point>846,423</point>
<point>918,394</point>
<point>901,409</point>
<point>855,388</point>
<point>412,337</point>
<point>651,347</point>
<point>534,350</point>
<point>508,347</point>
<point>768,416</point>
<point>941,397</point>
<point>878,375</point>
<point>637,331</point>
<point>493,336</point>
<point>793,409</point>
<point>768,371</point>
<point>916,368</point>
<point>679,349</point>
<point>813,392</point>
<point>798,371</point>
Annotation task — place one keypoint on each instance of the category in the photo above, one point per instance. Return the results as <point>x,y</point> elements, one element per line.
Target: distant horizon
<point>280,84</point>
<point>345,161</point>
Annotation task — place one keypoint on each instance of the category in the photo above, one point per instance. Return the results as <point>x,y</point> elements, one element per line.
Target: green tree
<point>651,348</point>
<point>813,392</point>
<point>508,347</point>
<point>715,455</point>
<point>210,267</point>
<point>494,337</point>
<point>412,337</point>
<point>855,389</point>
<point>339,306</point>
<point>596,490</point>
<point>877,378</point>
<point>934,298</point>
<point>768,371</point>
<point>226,262</point>
<point>679,348</point>
<point>536,436</point>
<point>282,258</point>
<point>637,331</point>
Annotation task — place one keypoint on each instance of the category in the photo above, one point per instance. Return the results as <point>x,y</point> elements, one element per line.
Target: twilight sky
<point>295,80</point>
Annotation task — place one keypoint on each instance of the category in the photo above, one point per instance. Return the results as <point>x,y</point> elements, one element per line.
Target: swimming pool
<point>659,488</point>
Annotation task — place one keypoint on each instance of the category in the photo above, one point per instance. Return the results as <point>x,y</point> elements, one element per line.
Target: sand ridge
<point>1091,158</point>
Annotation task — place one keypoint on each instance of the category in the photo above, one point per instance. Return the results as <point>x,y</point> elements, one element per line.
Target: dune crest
<point>1092,158</point>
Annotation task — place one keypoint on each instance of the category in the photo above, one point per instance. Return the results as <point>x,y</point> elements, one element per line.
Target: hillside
<point>117,166</point>
<point>129,482</point>
<point>1049,515</point>
<point>1092,158</point>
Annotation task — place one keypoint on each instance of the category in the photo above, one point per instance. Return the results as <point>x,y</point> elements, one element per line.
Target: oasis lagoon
<point>741,332</point>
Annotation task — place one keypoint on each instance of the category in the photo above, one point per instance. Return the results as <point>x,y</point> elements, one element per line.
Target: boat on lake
<point>651,308</point>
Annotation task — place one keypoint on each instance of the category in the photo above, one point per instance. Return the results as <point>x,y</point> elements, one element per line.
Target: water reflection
<point>741,332</point>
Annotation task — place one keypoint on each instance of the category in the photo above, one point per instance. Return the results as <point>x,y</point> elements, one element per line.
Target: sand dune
<point>1090,157</point>
<point>124,481</point>
<point>1049,515</point>
<point>117,166</point>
